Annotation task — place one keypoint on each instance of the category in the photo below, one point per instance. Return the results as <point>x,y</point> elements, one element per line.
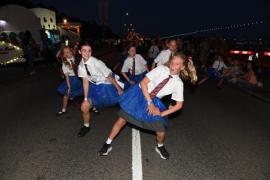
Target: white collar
<point>175,76</point>
<point>70,59</point>
<point>89,61</point>
<point>133,56</point>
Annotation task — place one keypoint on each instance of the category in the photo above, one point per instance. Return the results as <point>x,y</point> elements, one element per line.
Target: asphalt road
<point>220,134</point>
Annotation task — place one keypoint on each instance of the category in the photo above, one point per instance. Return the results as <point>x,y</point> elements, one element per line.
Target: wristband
<point>149,102</point>
<point>85,99</point>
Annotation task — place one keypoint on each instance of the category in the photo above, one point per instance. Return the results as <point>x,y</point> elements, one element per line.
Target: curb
<point>256,95</point>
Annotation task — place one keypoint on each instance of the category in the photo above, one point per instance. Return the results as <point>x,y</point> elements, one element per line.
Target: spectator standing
<point>28,45</point>
<point>152,52</point>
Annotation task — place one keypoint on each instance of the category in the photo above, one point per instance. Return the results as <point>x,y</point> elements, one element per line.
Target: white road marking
<point>136,155</point>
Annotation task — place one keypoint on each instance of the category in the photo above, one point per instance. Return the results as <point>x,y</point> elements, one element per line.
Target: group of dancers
<point>139,96</point>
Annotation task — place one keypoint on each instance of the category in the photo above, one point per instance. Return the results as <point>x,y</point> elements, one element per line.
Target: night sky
<point>152,17</point>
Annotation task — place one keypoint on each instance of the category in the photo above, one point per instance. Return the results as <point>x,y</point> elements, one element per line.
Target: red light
<point>241,52</point>
<point>247,52</point>
<point>266,53</point>
<point>234,52</point>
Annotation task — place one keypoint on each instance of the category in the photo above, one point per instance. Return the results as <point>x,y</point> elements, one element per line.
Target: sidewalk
<point>263,93</point>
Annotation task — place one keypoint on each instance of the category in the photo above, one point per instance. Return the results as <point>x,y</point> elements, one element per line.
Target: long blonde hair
<point>64,60</point>
<point>189,72</point>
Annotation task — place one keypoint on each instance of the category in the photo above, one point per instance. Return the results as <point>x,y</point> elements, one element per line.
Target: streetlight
<point>2,25</point>
<point>65,21</point>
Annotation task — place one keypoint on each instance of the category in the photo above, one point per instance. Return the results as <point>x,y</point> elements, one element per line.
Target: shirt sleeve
<point>143,61</point>
<point>159,57</point>
<point>105,71</point>
<point>178,94</point>
<point>155,73</point>
<point>215,65</point>
<point>65,69</point>
<point>125,67</point>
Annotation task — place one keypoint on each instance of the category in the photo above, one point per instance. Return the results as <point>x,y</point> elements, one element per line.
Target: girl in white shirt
<point>101,87</point>
<point>165,55</point>
<point>141,104</point>
<point>134,67</point>
<point>218,71</point>
<point>72,86</point>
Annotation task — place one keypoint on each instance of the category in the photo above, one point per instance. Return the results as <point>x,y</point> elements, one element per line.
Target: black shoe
<point>83,131</point>
<point>60,113</point>
<point>95,110</point>
<point>105,150</point>
<point>162,152</point>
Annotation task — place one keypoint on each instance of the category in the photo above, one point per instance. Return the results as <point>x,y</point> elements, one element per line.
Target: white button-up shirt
<point>174,86</point>
<point>67,69</point>
<point>98,71</point>
<point>163,57</point>
<point>139,64</point>
<point>219,65</point>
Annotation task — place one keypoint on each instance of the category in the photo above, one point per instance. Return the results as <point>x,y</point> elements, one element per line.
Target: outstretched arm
<point>172,109</point>
<point>113,81</point>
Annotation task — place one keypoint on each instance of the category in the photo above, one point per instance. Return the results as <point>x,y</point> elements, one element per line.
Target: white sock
<point>63,110</point>
<point>160,145</point>
<point>86,124</point>
<point>109,141</point>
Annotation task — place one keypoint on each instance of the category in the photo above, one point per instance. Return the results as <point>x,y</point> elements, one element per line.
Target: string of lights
<point>218,28</point>
<point>16,57</point>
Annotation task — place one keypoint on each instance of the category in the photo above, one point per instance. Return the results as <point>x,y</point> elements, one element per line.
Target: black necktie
<point>133,67</point>
<point>87,70</point>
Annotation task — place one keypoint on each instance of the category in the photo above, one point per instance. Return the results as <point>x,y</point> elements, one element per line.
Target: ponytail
<point>189,72</point>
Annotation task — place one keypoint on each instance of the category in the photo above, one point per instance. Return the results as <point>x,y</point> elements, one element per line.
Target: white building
<point>17,19</point>
<point>47,18</point>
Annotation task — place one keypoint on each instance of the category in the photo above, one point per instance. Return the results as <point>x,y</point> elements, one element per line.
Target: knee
<point>85,107</point>
<point>121,122</point>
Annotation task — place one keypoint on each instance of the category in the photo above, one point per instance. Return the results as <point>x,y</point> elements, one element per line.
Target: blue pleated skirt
<point>134,103</point>
<point>137,78</point>
<point>103,95</point>
<point>76,88</point>
<point>213,73</point>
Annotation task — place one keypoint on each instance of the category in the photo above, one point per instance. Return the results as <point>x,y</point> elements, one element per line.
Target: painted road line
<point>136,155</point>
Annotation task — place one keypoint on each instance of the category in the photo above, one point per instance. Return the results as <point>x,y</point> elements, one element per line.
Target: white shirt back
<point>163,57</point>
<point>174,85</point>
<point>139,64</point>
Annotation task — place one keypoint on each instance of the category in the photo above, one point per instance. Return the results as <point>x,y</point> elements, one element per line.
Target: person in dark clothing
<point>28,45</point>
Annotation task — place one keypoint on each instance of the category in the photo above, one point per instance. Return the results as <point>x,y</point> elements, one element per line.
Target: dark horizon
<point>150,19</point>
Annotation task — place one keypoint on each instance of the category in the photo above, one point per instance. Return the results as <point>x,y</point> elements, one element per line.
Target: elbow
<point>178,106</point>
<point>110,78</point>
<point>142,83</point>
